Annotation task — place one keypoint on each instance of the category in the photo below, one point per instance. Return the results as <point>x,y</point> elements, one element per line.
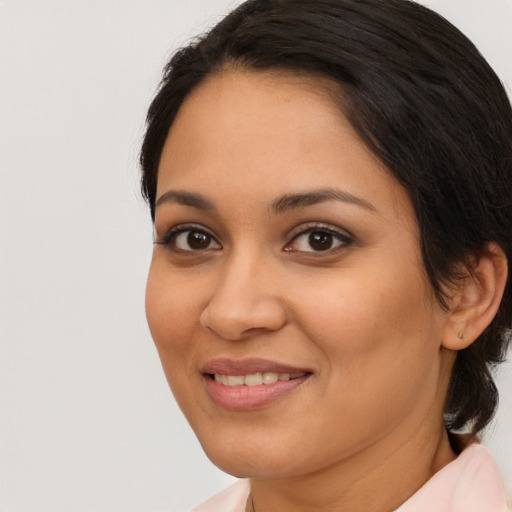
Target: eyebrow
<point>282,204</point>
<point>304,199</point>
<point>192,199</point>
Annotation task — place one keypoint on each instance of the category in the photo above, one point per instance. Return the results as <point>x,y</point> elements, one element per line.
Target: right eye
<point>189,239</point>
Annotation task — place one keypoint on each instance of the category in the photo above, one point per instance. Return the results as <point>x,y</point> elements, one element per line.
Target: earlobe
<point>476,300</point>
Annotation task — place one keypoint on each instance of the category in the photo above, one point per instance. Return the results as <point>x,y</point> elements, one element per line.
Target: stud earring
<point>460,335</point>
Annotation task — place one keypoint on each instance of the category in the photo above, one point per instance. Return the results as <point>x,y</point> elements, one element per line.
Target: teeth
<point>235,380</point>
<point>270,377</point>
<point>255,379</point>
<point>223,379</point>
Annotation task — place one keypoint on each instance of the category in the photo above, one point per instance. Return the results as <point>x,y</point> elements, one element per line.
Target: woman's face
<point>286,253</point>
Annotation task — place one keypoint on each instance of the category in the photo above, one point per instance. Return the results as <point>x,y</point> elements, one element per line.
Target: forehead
<point>261,134</point>
<point>253,108</point>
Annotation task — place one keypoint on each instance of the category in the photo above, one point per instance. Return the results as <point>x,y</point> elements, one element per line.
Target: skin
<point>365,431</point>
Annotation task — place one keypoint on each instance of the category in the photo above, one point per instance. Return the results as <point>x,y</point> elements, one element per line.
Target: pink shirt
<point>471,483</point>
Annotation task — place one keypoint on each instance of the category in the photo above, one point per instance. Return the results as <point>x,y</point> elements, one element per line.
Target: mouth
<point>255,379</point>
<point>251,384</point>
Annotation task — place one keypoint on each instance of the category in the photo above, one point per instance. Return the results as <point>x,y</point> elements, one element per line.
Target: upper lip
<point>249,366</point>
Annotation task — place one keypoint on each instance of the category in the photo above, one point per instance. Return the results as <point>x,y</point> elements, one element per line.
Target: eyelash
<point>169,239</point>
<point>344,239</point>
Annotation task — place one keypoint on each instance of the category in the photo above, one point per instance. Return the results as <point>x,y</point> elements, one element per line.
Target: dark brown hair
<point>428,105</point>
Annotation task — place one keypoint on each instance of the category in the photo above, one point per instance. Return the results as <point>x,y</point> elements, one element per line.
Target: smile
<point>250,384</point>
<point>255,379</point>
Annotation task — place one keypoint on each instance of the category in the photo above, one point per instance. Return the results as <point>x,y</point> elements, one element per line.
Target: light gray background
<point>87,423</point>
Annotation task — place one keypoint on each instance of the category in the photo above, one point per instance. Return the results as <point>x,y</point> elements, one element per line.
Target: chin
<point>248,460</point>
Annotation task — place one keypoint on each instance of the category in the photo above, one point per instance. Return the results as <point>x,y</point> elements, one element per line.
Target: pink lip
<point>248,398</point>
<point>248,366</point>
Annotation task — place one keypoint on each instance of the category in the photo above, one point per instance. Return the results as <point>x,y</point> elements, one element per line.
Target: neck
<point>380,478</point>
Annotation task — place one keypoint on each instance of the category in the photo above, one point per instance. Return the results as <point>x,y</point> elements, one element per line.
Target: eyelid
<point>318,225</point>
<point>310,227</point>
<point>167,238</point>
<point>340,234</point>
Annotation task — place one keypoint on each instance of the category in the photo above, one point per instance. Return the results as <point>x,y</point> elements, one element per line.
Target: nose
<point>245,302</point>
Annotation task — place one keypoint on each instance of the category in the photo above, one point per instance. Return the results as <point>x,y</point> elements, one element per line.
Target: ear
<point>476,300</point>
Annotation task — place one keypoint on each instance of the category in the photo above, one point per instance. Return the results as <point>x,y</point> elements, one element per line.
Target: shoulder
<point>471,483</point>
<point>231,499</point>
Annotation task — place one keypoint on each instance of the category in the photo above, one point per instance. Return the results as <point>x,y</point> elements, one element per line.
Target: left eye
<point>192,240</point>
<point>318,240</point>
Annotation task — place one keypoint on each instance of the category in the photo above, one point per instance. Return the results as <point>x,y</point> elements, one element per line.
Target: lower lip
<point>248,398</point>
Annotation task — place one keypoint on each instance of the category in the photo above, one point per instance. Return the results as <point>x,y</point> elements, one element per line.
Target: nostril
<point>238,320</point>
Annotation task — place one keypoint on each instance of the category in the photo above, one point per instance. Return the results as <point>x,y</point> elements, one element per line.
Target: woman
<point>331,183</point>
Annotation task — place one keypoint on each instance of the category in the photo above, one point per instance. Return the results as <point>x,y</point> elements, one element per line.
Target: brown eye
<point>197,240</point>
<point>193,240</point>
<point>320,240</point>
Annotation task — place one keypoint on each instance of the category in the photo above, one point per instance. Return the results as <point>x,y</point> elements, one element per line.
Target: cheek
<point>364,310</point>
<point>172,321</point>
<point>170,312</point>
<point>381,366</point>
<point>379,335</point>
